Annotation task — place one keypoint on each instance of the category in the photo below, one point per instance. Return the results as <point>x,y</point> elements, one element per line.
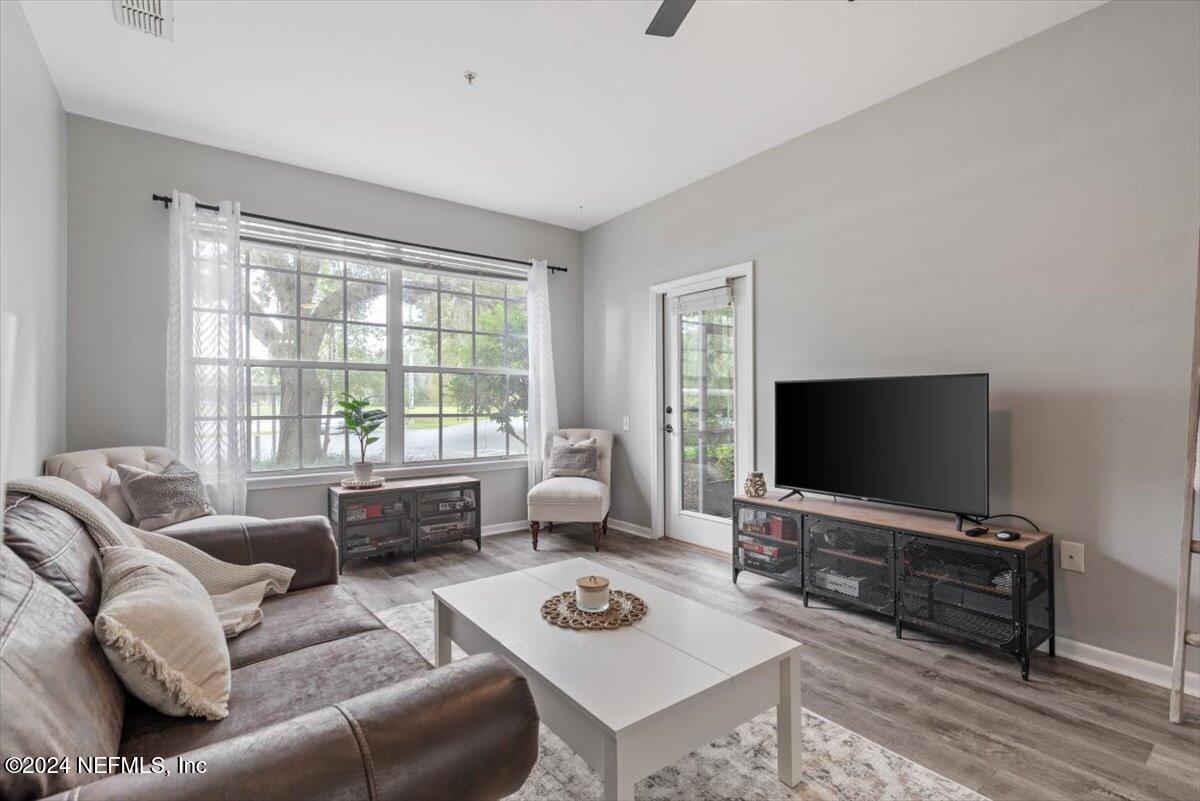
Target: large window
<point>465,368</point>
<point>444,354</point>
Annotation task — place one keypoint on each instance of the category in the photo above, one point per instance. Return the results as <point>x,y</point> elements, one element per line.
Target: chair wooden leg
<point>549,527</point>
<point>533,530</point>
<point>596,529</point>
<point>604,527</point>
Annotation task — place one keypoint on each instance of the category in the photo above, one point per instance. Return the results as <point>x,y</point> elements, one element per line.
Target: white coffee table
<point>633,700</point>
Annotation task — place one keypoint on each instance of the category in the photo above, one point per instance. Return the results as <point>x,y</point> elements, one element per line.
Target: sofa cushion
<point>280,688</point>
<point>95,470</point>
<point>58,693</point>
<point>568,498</point>
<point>56,546</point>
<point>297,620</point>
<point>209,521</point>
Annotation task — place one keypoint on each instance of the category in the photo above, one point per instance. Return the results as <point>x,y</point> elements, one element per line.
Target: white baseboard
<point>504,528</point>
<point>631,528</point>
<point>1123,664</point>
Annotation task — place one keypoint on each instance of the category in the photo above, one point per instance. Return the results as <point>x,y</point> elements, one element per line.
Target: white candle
<point>591,593</point>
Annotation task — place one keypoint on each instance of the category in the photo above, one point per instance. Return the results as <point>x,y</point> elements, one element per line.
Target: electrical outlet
<point>1070,556</point>
<point>625,423</point>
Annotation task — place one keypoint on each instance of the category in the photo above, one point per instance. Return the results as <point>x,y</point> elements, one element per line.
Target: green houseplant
<point>361,421</point>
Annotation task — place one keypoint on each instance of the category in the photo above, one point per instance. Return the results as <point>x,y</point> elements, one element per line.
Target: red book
<point>781,527</point>
<point>765,550</point>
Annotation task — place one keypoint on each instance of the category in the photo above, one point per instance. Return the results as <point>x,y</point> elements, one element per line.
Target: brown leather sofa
<point>327,702</point>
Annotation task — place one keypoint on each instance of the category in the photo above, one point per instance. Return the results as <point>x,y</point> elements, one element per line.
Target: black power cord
<point>1018,517</point>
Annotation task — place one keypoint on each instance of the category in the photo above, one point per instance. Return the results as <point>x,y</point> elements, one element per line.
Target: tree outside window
<point>318,326</point>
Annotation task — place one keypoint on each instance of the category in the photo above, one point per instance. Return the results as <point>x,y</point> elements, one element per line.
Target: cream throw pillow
<point>159,630</point>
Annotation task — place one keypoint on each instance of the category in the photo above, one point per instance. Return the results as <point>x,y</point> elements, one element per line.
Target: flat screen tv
<point>917,441</point>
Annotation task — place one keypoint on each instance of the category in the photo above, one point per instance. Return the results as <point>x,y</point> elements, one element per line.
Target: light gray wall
<point>1033,215</point>
<point>118,280</point>
<point>33,243</point>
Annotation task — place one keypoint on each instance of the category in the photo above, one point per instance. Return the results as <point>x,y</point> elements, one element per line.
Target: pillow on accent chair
<point>579,459</point>
<point>161,634</point>
<point>163,499</point>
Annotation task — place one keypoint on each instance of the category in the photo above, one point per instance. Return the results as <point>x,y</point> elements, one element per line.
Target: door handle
<point>670,429</point>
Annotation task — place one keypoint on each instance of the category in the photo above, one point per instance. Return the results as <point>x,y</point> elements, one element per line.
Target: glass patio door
<point>705,415</point>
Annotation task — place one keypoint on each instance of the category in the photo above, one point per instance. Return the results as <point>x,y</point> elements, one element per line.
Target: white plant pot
<point>362,471</point>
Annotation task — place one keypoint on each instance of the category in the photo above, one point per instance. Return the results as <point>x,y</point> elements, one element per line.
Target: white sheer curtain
<point>543,400</point>
<point>206,359</point>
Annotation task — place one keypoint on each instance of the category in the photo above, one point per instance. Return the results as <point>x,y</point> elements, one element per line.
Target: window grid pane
<point>317,322</point>
<point>303,355</point>
<point>463,326</point>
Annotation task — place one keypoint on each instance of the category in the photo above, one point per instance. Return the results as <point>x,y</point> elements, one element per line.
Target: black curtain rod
<point>166,201</point>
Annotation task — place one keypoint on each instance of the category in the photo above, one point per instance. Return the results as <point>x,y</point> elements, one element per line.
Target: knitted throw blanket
<point>237,591</point>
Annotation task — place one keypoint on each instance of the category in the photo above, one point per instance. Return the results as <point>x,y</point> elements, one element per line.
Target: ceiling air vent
<point>155,17</point>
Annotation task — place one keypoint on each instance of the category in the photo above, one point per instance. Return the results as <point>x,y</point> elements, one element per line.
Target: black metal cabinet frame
<point>408,518</point>
<point>997,598</point>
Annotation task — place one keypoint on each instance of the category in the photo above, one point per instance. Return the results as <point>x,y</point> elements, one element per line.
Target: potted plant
<point>362,422</point>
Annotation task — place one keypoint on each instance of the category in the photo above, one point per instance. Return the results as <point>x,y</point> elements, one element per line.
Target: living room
<point>567,400</point>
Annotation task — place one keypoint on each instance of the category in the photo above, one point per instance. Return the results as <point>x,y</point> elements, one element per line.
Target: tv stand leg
<point>793,492</point>
<point>958,522</point>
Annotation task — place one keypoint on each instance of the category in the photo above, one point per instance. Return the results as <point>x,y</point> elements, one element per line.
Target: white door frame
<point>658,292</point>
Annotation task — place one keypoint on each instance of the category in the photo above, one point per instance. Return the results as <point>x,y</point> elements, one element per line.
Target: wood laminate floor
<point>1070,732</point>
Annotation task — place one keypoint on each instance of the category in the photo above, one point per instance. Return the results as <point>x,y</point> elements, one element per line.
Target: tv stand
<point>960,519</point>
<point>797,493</point>
<point>915,567</point>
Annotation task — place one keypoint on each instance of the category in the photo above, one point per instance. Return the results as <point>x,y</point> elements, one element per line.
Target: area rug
<point>838,764</point>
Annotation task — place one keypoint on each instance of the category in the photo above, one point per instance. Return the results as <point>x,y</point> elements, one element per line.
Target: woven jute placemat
<point>624,609</point>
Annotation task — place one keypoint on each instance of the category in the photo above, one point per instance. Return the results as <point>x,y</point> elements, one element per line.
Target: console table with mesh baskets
<point>404,516</point>
<point>916,568</point>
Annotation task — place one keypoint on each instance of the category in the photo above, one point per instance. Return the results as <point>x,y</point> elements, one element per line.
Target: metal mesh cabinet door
<point>849,562</point>
<point>767,541</point>
<point>448,501</point>
<point>1039,617</point>
<point>446,528</point>
<point>963,591</point>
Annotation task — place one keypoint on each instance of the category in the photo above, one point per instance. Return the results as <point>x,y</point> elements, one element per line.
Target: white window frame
<point>396,385</point>
<point>393,367</point>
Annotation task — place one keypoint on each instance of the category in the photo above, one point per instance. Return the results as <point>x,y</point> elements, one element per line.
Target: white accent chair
<point>574,499</point>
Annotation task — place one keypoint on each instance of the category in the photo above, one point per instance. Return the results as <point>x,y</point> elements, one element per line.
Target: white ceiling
<point>573,104</point>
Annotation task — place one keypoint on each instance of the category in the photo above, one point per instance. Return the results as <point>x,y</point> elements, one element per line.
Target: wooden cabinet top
<point>917,522</point>
<point>395,484</point>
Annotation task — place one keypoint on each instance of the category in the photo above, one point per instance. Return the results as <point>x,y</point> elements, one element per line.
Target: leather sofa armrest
<point>304,544</point>
<point>465,731</point>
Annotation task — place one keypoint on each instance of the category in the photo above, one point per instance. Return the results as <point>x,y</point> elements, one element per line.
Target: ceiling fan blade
<point>669,17</point>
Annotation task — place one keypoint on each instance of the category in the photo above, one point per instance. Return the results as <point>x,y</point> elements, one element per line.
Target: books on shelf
<point>781,562</point>
<point>749,544</point>
<point>777,527</point>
